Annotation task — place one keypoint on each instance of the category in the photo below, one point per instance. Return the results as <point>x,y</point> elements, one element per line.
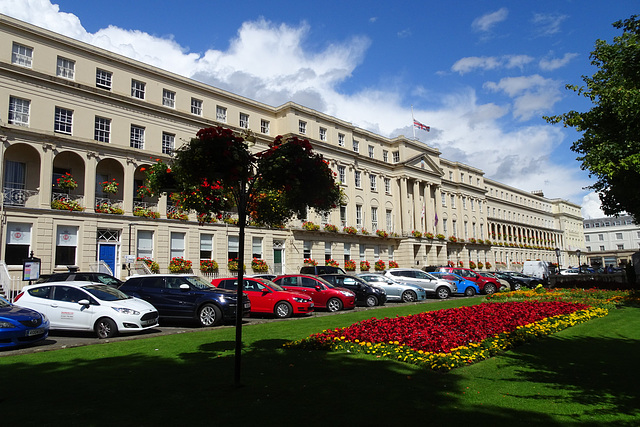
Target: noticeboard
<point>31,269</point>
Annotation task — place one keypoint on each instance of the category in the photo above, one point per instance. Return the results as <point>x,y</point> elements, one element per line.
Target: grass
<point>585,375</point>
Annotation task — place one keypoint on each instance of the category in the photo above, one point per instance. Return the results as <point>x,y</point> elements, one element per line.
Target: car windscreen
<point>271,284</point>
<point>4,303</point>
<point>105,292</point>
<point>108,280</point>
<point>198,283</point>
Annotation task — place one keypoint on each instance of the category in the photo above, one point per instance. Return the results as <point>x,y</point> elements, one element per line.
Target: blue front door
<point>107,253</point>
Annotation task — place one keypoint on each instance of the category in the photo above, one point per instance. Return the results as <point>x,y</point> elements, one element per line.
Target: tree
<point>217,171</point>
<point>610,144</point>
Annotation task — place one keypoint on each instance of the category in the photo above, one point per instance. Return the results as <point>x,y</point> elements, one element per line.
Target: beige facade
<point>70,108</point>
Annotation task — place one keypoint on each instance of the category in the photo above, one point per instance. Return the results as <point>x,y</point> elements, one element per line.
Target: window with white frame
<point>347,251</point>
<point>356,146</point>
<point>342,174</point>
<point>63,120</point>
<point>18,243</point>
<point>176,249</point>
<point>453,201</point>
<point>373,182</point>
<point>66,245</point>
<point>620,247</point>
<point>362,251</point>
<point>19,111</point>
<point>168,98</point>
<point>387,185</point>
<point>341,139</point>
<point>233,247</point>
<point>168,143</point>
<point>65,68</point>
<point>602,248</point>
<point>374,218</point>
<point>15,176</point>
<point>396,157</point>
<point>206,246</point>
<point>21,55</point>
<point>302,127</point>
<point>221,114</point>
<point>137,89</point>
<point>264,126</point>
<point>322,133</point>
<point>256,247</point>
<point>136,139</point>
<point>444,226</point>
<point>466,230</point>
<point>327,251</point>
<point>443,198</point>
<point>343,215</point>
<point>619,236</point>
<point>454,227</point>
<point>145,244</point>
<point>244,121</point>
<point>385,156</point>
<point>587,238</point>
<point>464,202</point>
<point>601,237</point>
<point>196,106</point>
<point>473,207</point>
<point>391,252</point>
<point>389,220</point>
<point>357,179</point>
<point>480,206</point>
<point>103,79</point>
<point>102,129</point>
<point>306,249</point>
<point>371,151</point>
<point>359,218</point>
<point>376,252</point>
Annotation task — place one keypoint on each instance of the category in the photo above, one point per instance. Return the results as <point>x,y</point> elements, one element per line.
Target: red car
<point>268,297</point>
<point>324,294</point>
<point>487,285</point>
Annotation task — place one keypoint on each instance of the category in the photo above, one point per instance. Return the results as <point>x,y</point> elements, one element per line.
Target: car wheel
<point>490,288</point>
<point>409,296</point>
<point>469,292</point>
<point>334,304</point>
<point>443,293</point>
<point>371,301</point>
<point>209,315</point>
<point>105,328</point>
<point>516,286</point>
<point>283,310</point>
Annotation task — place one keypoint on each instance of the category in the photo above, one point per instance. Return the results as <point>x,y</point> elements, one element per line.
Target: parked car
<point>81,276</point>
<point>267,276</point>
<point>569,272</point>
<point>269,297</point>
<point>186,297</point>
<point>396,290</point>
<point>323,293</point>
<point>86,306</point>
<point>539,269</point>
<point>321,269</point>
<point>487,285</point>
<point>438,287</point>
<point>523,279</point>
<point>20,325</point>
<point>504,283</point>
<point>366,294</point>
<point>465,287</point>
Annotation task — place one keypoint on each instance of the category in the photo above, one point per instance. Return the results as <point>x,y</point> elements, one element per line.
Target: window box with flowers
<point>208,266</point>
<point>382,233</point>
<point>472,240</point>
<point>440,236</point>
<point>259,265</point>
<point>488,265</point>
<point>145,212</point>
<point>66,204</point>
<point>153,266</point>
<point>233,265</point>
<point>230,220</point>
<point>180,265</point>
<point>417,234</point>
<point>453,239</point>
<point>428,236</point>
<point>365,266</point>
<point>451,264</point>
<point>393,264</point>
<point>364,232</point>
<point>182,216</point>
<point>350,265</point>
<point>206,218</point>
<point>350,230</point>
<point>109,209</point>
<point>379,265</point>
<point>460,264</point>
<point>472,265</point>
<point>330,228</point>
<point>480,265</point>
<point>310,226</point>
<point>331,263</point>
<point>310,262</point>
<point>110,187</point>
<point>66,182</point>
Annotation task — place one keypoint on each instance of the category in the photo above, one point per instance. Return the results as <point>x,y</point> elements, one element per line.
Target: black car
<point>365,293</point>
<point>184,296</point>
<point>81,276</point>
<point>522,279</point>
<point>316,270</point>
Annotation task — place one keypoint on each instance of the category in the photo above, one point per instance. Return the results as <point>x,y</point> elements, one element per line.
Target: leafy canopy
<point>610,144</point>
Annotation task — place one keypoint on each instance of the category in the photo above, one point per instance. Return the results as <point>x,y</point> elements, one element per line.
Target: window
<point>14,176</point>
<point>306,249</point>
<point>244,120</point>
<point>221,114</point>
<point>387,185</point>
<point>479,206</point>
<point>256,247</point>
<point>176,249</point>
<point>65,68</point>
<point>391,251</point>
<point>588,248</point>
<point>145,244</point>
<point>137,89</point>
<point>66,243</point>
<point>587,238</point>
<point>602,248</point>
<point>389,220</point>
<point>473,207</point>
<point>453,201</point>
<point>137,137</point>
<point>103,79</point>
<point>323,134</point>
<point>63,120</point>
<point>168,141</point>
<point>464,203</point>
<point>168,98</point>
<point>461,177</point>
<point>600,236</point>
<point>620,247</point>
<point>619,236</point>
<point>343,215</point>
<point>233,247</point>
<point>443,199</point>
<point>373,183</point>
<point>444,226</point>
<point>342,174</point>
<point>385,156</point>
<point>450,176</point>
<point>371,151</point>
<point>374,218</point>
<point>396,157</point>
<point>341,139</point>
<point>454,227</point>
<point>359,215</point>
<point>376,252</point>
<point>102,130</point>
<point>196,106</point>
<point>302,127</point>
<point>327,251</point>
<point>19,111</point>
<point>18,243</point>
<point>264,126</point>
<point>362,251</point>
<point>347,251</point>
<point>357,178</point>
<point>356,146</point>
<point>21,55</point>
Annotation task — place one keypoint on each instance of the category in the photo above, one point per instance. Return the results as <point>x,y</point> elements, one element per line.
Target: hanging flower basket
<point>332,263</point>
<point>110,187</point>
<point>310,262</point>
<point>350,265</point>
<point>365,266</point>
<point>66,182</point>
<point>379,265</point>
<point>393,264</point>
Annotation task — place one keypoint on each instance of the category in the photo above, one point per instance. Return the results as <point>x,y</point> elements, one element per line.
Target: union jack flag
<point>421,126</point>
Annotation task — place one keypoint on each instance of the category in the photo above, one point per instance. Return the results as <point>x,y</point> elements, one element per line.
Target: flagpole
<point>413,126</point>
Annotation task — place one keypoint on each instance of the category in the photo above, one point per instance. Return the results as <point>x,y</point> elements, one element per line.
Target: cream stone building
<point>69,110</point>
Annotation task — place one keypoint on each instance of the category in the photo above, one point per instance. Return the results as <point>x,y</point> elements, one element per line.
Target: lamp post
<point>579,266</point>
<point>558,258</point>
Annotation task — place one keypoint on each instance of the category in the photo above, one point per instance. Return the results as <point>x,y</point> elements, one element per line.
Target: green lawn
<point>584,375</point>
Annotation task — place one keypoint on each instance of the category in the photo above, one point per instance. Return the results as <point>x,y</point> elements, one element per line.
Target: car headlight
<point>123,310</point>
<point>6,325</point>
<point>296,299</point>
<point>347,293</point>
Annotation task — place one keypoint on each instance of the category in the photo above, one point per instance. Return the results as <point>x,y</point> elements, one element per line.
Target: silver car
<point>396,290</point>
<point>439,287</point>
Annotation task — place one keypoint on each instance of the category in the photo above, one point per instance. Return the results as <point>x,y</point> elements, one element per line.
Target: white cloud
<point>533,95</point>
<point>547,24</point>
<point>591,206</point>
<point>488,21</point>
<point>555,63</point>
<point>471,63</point>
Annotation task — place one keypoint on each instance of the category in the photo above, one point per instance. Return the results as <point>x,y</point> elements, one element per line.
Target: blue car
<point>466,287</point>
<point>20,326</point>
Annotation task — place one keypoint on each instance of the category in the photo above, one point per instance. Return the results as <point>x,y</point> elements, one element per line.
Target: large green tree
<point>610,144</point>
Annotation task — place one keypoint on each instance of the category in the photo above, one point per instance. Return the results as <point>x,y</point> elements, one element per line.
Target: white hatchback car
<point>87,306</point>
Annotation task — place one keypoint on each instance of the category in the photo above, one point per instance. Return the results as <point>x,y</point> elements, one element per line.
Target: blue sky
<point>480,73</point>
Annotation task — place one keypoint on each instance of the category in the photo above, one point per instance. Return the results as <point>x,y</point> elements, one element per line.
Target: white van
<point>539,269</point>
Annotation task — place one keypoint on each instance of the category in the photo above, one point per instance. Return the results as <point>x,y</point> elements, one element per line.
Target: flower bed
<point>450,338</point>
